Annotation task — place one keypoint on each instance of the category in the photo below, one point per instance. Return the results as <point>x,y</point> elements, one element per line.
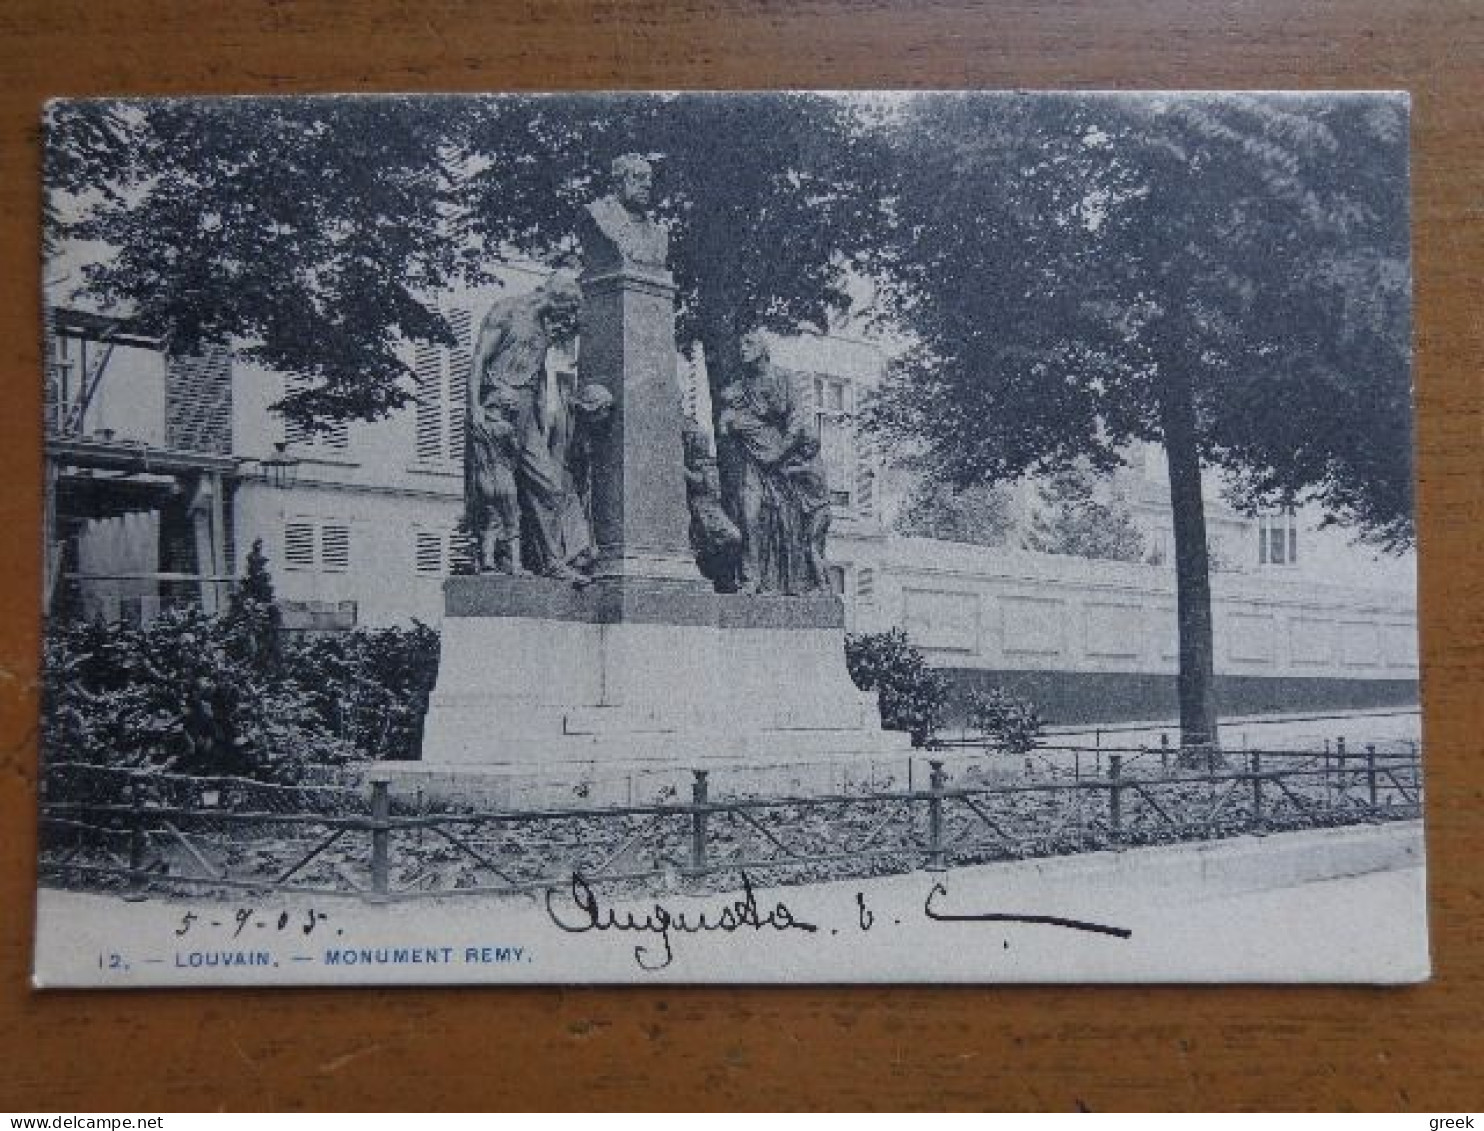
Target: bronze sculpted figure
<point>508,382</point>
<point>714,538</point>
<point>493,504</point>
<point>623,234</point>
<point>774,480</point>
<point>574,436</point>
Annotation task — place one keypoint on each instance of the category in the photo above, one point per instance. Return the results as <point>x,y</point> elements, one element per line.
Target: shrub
<point>232,695</point>
<point>369,687</point>
<point>1012,723</point>
<point>911,694</point>
<point>181,694</point>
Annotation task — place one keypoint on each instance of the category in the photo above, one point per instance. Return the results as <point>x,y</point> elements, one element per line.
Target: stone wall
<point>1097,640</point>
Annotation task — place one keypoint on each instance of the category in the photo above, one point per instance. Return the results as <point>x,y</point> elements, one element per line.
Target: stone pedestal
<point>640,517</point>
<point>538,677</point>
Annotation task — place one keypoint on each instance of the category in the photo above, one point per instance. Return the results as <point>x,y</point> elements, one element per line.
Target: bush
<point>1012,723</point>
<point>232,694</point>
<point>369,687</point>
<point>181,694</point>
<point>911,694</point>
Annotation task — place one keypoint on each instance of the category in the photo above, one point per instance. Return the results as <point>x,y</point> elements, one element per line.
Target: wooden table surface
<point>1053,1048</point>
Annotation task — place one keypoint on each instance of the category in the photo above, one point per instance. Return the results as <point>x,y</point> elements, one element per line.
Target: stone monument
<point>643,663</point>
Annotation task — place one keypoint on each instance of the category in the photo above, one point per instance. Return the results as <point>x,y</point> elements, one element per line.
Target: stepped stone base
<point>538,677</point>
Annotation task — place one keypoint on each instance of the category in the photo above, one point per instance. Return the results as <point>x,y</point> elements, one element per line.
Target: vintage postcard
<point>808,537</point>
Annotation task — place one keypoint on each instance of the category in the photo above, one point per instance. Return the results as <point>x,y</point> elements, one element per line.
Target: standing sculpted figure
<point>508,381</point>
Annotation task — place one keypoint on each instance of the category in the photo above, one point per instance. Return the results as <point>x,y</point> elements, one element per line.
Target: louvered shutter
<point>460,552</point>
<point>298,545</point>
<point>428,365</point>
<point>293,431</point>
<point>428,551</point>
<point>335,547</point>
<point>460,360</point>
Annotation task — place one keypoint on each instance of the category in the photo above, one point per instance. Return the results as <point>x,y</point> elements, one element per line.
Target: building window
<point>442,388</point>
<point>316,544</point>
<point>837,441</point>
<point>1277,539</point>
<point>333,437</point>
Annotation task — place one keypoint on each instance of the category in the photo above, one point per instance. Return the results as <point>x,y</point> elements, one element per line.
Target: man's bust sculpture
<point>621,234</point>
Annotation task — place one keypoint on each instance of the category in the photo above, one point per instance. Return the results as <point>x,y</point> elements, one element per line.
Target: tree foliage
<point>1225,275</point>
<point>1062,259</point>
<point>1072,519</point>
<point>305,233</point>
<point>313,234</point>
<point>980,515</point>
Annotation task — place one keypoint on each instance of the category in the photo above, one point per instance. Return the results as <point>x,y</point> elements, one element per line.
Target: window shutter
<point>293,431</point>
<point>298,545</point>
<point>429,369</point>
<point>865,478</point>
<point>335,547</point>
<point>428,551</point>
<point>865,584</point>
<point>460,361</point>
<point>460,552</point>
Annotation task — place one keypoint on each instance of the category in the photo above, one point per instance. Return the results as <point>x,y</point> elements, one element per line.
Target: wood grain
<point>1097,1048</point>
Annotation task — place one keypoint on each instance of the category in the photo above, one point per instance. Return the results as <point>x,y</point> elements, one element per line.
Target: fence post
<point>699,792</point>
<point>1256,790</point>
<point>1115,794</point>
<point>1370,773</point>
<point>1416,768</point>
<point>381,808</point>
<point>137,843</point>
<point>936,856</point>
<point>1164,753</point>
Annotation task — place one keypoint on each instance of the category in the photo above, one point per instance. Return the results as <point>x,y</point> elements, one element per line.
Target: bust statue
<point>622,234</point>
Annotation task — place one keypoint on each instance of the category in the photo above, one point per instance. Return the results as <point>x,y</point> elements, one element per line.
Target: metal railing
<point>132,830</point>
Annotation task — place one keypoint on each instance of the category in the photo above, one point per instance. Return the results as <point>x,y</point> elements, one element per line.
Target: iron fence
<point>136,830</point>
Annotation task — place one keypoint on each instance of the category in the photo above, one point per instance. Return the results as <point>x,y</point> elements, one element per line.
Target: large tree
<point>772,199</point>
<point>1226,275</point>
<point>314,234</point>
<point>305,233</point>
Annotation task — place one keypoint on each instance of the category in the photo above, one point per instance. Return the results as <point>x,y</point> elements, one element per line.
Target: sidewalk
<point>1344,904</point>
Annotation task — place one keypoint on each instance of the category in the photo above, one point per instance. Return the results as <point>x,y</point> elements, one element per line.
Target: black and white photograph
<point>808,537</point>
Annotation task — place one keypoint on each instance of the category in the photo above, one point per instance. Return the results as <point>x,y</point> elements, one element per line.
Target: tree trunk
<point>1197,677</point>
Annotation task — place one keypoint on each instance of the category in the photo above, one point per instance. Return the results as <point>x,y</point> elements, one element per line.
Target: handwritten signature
<point>931,910</point>
<point>583,911</point>
<point>740,915</point>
